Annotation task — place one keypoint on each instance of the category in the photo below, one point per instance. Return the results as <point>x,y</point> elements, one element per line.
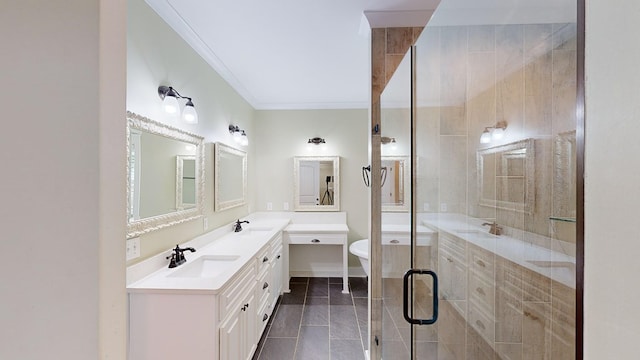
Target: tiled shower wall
<point>471,77</point>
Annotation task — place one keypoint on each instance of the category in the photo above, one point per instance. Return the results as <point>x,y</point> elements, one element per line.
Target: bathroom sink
<point>208,266</point>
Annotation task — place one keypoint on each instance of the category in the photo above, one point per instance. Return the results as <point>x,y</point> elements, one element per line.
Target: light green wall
<point>156,55</point>
<point>284,134</point>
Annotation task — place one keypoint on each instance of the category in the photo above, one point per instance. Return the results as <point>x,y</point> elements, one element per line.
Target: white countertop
<point>552,264</point>
<point>244,244</point>
<point>405,228</point>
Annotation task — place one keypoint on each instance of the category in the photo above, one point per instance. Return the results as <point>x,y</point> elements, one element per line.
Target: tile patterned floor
<point>317,321</point>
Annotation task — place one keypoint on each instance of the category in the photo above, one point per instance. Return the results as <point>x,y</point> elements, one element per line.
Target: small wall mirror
<point>316,182</point>
<point>230,188</point>
<point>396,183</point>
<point>185,182</point>
<point>506,178</point>
<point>156,189</point>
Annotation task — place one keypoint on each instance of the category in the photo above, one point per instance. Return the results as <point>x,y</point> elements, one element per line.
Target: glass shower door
<point>484,114</point>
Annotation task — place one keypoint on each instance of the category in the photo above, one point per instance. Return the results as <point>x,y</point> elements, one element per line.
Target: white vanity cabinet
<point>223,324</point>
<point>317,235</point>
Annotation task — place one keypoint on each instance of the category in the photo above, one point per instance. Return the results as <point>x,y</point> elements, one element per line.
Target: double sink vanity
<point>218,303</point>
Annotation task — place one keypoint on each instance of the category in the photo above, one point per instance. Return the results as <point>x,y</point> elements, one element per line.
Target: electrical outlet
<point>285,206</point>
<point>133,248</point>
<point>205,223</point>
<point>269,206</point>
<point>443,207</point>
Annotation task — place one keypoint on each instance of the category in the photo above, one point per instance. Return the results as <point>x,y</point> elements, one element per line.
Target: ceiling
<point>315,54</point>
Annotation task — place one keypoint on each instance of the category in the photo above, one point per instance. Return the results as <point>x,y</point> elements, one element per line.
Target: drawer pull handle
<point>265,285</point>
<point>315,241</point>
<point>265,259</point>
<point>278,257</point>
<point>480,324</point>
<point>265,317</point>
<point>449,259</point>
<point>480,291</point>
<point>481,263</point>
<point>394,241</point>
<point>244,308</point>
<point>530,315</point>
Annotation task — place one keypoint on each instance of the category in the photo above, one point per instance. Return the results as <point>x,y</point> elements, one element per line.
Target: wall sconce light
<point>170,104</point>
<point>385,140</point>
<point>495,132</point>
<point>239,135</point>
<point>316,141</point>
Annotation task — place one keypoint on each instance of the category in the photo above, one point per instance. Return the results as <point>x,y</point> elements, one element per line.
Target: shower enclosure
<point>483,107</point>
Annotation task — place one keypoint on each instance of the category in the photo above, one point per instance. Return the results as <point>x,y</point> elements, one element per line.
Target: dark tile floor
<point>317,321</point>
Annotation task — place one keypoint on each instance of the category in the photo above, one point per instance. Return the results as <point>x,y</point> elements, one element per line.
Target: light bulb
<point>189,114</point>
<point>237,136</point>
<point>485,138</point>
<point>244,140</point>
<point>170,104</point>
<point>497,133</point>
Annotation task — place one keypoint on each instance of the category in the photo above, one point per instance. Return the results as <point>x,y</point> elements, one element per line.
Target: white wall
<point>156,55</point>
<point>612,190</point>
<point>284,134</point>
<point>63,268</point>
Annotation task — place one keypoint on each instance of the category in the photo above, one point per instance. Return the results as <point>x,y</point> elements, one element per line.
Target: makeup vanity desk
<point>317,235</point>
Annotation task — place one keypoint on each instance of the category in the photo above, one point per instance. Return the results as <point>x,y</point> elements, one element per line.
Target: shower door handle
<point>405,297</point>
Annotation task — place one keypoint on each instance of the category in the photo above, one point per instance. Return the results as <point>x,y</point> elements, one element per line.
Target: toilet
<point>360,248</point>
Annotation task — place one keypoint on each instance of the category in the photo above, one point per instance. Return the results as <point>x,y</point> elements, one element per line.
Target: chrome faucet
<point>237,227</point>
<point>177,256</point>
<point>494,228</point>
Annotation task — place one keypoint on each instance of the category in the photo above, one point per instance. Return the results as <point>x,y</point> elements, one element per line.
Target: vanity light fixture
<point>239,135</point>
<point>170,96</point>
<point>316,141</point>
<point>495,132</point>
<point>385,140</point>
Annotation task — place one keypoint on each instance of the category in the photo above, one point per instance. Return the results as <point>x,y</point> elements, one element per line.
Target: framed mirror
<point>395,183</point>
<point>316,183</point>
<point>153,201</point>
<point>230,188</point>
<point>506,177</point>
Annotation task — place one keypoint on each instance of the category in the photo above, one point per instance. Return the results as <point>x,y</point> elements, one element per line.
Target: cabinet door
<point>238,332</point>
<point>231,336</point>
<point>276,277</point>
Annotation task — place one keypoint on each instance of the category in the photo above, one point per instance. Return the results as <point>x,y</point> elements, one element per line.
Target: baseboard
<point>355,271</point>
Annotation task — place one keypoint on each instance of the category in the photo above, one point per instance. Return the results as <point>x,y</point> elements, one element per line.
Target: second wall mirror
<point>316,183</point>
<point>230,188</point>
<point>395,183</point>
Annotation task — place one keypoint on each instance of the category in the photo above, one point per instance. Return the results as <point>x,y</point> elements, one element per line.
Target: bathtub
<point>360,249</point>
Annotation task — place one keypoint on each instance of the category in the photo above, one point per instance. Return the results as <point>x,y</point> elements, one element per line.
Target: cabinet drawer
<point>482,323</point>
<point>482,292</point>
<point>263,314</point>
<point>317,239</point>
<point>235,292</point>
<point>263,286</point>
<point>396,239</point>
<point>263,259</point>
<point>454,246</point>
<point>481,261</point>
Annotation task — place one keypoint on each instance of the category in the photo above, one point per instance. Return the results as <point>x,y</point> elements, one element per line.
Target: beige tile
<point>564,36</point>
<point>507,351</point>
<point>537,40</point>
<point>482,38</point>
